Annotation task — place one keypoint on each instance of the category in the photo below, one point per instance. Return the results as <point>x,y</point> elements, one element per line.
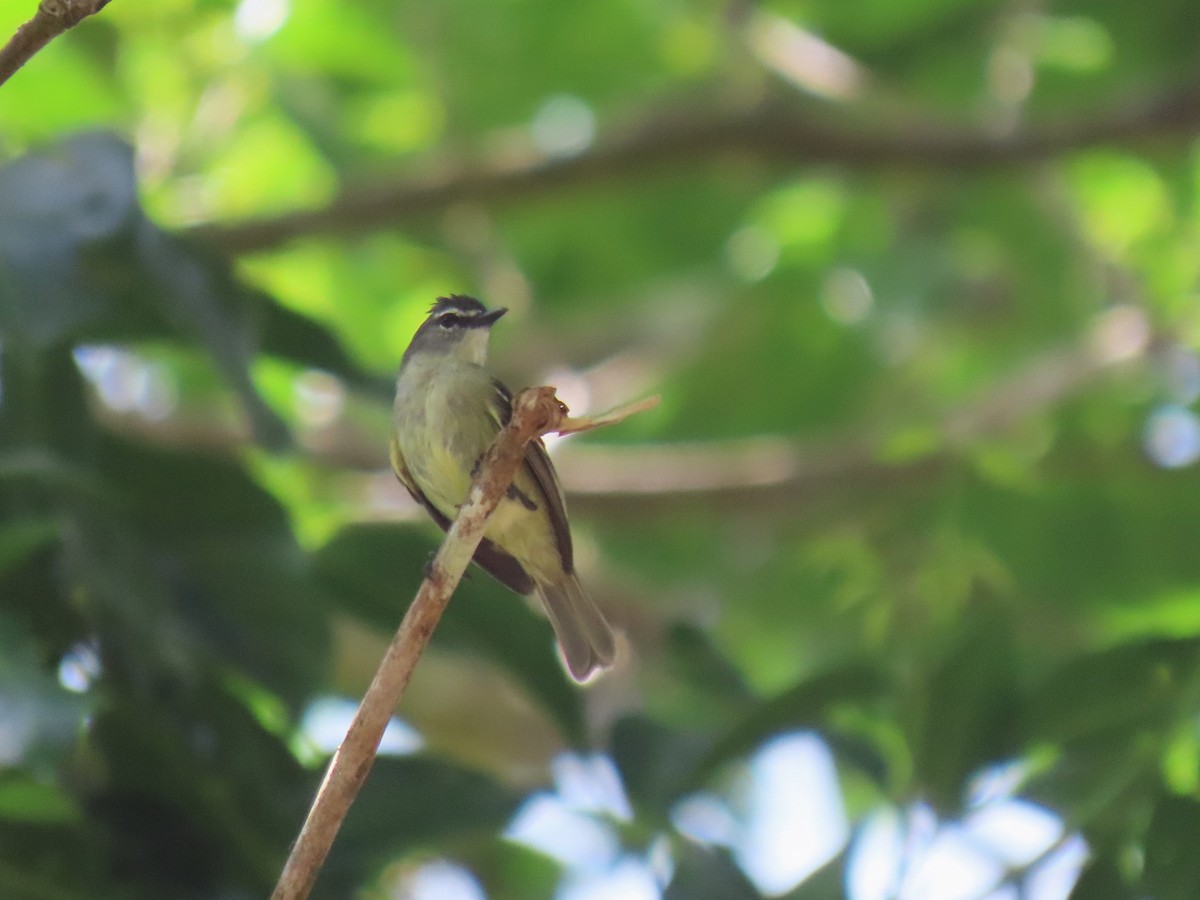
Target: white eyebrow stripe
<point>467,315</point>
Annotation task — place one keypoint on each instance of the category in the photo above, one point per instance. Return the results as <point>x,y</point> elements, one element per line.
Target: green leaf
<point>827,883</point>
<point>806,705</point>
<point>42,720</point>
<point>699,663</point>
<point>1129,686</point>
<point>20,540</point>
<point>1101,879</point>
<point>514,872</point>
<point>969,703</point>
<point>1170,870</point>
<point>1107,787</point>
<point>708,873</point>
<point>408,804</point>
<point>290,335</point>
<point>182,494</point>
<point>198,794</point>
<point>23,799</point>
<point>656,763</point>
<point>57,205</point>
<point>255,606</point>
<point>196,565</point>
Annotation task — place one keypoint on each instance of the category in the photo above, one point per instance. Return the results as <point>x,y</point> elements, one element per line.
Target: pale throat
<point>473,347</point>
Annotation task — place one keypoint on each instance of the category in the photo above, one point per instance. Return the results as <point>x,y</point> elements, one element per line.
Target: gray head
<point>457,326</point>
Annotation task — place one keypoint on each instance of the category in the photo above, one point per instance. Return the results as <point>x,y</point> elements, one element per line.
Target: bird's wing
<point>541,470</point>
<point>488,556</point>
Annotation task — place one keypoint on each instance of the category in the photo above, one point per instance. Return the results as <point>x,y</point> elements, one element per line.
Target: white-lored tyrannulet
<point>448,410</point>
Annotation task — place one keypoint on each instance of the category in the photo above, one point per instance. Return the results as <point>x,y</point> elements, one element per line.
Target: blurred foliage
<point>923,482</point>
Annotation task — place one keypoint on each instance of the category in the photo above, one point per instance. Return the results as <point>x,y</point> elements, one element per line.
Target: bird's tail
<point>583,633</point>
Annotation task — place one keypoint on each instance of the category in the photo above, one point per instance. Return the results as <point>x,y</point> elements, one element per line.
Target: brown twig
<point>773,132</point>
<point>536,411</point>
<point>52,18</point>
<point>572,425</point>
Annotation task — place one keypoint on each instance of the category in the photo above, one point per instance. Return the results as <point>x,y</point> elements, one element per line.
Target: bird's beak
<point>488,319</point>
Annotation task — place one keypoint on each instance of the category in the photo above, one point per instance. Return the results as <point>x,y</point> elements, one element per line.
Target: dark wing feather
<point>488,556</point>
<point>537,462</point>
<point>539,467</point>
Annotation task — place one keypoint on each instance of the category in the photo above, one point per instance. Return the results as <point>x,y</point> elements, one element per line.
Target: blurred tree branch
<point>757,472</point>
<point>773,131</point>
<point>761,473</point>
<point>52,18</point>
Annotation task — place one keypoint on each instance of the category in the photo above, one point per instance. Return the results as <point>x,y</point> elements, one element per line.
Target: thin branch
<point>536,411</point>
<point>52,18</point>
<point>772,132</point>
<point>573,425</point>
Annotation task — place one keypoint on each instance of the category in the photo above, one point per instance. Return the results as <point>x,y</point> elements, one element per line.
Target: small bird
<point>448,410</point>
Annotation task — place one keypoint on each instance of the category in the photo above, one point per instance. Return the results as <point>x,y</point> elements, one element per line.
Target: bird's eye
<point>449,320</point>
